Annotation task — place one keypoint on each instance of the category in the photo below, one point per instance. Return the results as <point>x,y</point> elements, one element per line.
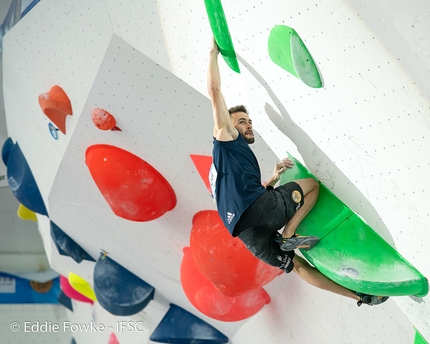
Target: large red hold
<point>207,299</point>
<point>225,260</point>
<point>133,189</point>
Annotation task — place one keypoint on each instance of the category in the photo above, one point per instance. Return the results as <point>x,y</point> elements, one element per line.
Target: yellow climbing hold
<point>26,214</point>
<point>81,286</point>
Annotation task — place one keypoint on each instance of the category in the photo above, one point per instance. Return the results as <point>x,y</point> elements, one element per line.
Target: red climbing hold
<point>113,339</point>
<point>208,300</point>
<point>56,106</point>
<point>72,293</point>
<point>225,260</point>
<point>203,164</point>
<point>104,120</point>
<point>133,189</point>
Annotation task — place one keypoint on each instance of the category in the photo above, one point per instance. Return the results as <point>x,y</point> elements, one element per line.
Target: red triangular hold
<point>113,339</point>
<point>203,164</point>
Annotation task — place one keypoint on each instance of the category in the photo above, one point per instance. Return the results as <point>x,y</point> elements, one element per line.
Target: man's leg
<point>310,189</point>
<point>317,279</point>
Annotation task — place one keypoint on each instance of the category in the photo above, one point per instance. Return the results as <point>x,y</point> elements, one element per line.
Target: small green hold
<point>419,339</point>
<point>288,51</point>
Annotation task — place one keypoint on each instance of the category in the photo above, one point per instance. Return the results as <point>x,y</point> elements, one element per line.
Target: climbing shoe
<point>370,300</point>
<point>297,241</point>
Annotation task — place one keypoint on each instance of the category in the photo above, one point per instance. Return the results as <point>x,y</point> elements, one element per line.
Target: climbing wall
<point>363,134</point>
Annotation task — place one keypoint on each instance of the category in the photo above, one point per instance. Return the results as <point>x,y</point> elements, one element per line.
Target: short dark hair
<point>238,108</point>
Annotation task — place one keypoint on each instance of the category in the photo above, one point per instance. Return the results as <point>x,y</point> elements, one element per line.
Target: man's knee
<point>313,184</point>
<point>300,265</point>
<point>308,185</point>
<point>317,184</point>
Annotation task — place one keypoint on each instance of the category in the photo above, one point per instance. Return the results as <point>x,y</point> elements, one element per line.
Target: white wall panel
<point>364,134</point>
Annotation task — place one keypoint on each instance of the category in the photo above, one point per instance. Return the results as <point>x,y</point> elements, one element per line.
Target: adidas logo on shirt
<point>230,217</point>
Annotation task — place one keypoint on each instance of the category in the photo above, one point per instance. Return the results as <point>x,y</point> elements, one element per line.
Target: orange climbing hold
<point>56,106</point>
<point>104,120</point>
<point>133,189</point>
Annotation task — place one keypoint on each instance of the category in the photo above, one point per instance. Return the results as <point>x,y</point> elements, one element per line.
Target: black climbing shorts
<point>259,224</point>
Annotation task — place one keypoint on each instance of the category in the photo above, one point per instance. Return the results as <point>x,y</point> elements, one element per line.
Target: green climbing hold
<point>288,51</point>
<point>350,252</point>
<point>221,33</point>
<point>419,339</point>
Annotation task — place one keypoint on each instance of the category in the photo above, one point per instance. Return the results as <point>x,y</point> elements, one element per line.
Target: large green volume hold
<point>350,252</point>
<point>221,33</point>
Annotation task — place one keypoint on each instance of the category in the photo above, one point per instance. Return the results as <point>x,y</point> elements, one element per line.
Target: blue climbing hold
<point>118,290</point>
<point>29,7</point>
<point>180,326</point>
<point>22,182</point>
<point>5,151</point>
<point>66,246</point>
<point>65,301</point>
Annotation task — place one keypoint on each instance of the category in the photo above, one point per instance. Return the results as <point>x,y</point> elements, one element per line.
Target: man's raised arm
<point>223,129</point>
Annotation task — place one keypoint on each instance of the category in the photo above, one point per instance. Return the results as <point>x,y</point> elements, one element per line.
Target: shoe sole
<point>299,242</point>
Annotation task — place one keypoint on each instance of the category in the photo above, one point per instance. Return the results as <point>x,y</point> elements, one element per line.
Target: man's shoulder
<point>226,135</point>
<point>229,145</point>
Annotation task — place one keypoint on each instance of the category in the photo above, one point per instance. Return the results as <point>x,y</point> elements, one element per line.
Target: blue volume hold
<point>180,326</point>
<point>118,290</point>
<point>22,182</point>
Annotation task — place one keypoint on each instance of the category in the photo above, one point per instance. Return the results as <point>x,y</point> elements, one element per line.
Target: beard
<point>249,140</point>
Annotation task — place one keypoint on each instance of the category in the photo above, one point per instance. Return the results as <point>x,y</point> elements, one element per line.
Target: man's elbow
<point>214,90</point>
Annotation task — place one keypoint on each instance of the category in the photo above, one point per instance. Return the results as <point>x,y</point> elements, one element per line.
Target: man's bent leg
<point>317,279</point>
<point>261,243</point>
<point>310,188</point>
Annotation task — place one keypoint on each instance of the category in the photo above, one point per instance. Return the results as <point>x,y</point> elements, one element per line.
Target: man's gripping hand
<point>214,47</point>
<point>279,168</point>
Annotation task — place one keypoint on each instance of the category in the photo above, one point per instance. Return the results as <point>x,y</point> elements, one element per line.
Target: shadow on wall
<point>319,163</point>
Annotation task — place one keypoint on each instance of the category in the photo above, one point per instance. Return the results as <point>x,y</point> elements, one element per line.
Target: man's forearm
<point>280,168</point>
<point>214,77</point>
<point>272,182</point>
